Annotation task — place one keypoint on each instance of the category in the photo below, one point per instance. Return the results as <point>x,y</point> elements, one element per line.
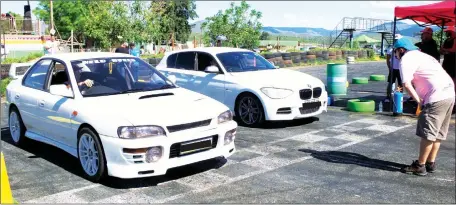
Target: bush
<point>24,59</point>
<point>147,56</point>
<point>3,85</point>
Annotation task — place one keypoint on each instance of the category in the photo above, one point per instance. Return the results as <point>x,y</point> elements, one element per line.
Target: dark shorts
<point>434,120</point>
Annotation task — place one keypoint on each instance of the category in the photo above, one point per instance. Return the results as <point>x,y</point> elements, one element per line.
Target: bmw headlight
<point>225,117</point>
<point>276,93</point>
<point>133,132</point>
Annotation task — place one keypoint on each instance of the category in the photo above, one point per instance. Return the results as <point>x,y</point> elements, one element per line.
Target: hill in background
<point>409,30</point>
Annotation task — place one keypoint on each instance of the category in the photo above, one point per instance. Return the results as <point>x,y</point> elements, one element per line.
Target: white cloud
<point>383,4</point>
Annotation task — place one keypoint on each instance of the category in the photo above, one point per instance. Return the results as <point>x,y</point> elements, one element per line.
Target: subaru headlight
<point>133,132</point>
<point>276,93</point>
<point>225,117</point>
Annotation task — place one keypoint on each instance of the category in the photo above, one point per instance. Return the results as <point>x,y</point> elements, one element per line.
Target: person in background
<point>122,49</point>
<point>51,46</point>
<point>43,43</point>
<point>142,51</point>
<point>393,69</point>
<point>132,51</point>
<point>434,90</point>
<point>428,44</point>
<point>449,51</point>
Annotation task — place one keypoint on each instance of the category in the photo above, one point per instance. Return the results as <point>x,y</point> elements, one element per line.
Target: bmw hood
<point>278,78</point>
<point>163,107</point>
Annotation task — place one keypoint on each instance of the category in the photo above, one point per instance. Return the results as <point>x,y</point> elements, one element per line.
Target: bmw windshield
<point>110,76</point>
<point>244,62</point>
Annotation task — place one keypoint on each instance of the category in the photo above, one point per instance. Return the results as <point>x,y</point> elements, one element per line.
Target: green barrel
<point>336,79</point>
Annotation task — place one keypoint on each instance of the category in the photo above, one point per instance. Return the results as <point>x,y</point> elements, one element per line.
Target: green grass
<point>24,59</point>
<point>3,84</point>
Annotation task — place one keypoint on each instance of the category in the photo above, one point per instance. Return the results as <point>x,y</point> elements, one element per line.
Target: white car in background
<point>253,88</point>
<point>132,122</point>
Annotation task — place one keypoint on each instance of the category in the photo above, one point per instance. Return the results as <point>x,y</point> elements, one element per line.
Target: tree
<point>264,35</point>
<point>241,27</point>
<point>171,17</point>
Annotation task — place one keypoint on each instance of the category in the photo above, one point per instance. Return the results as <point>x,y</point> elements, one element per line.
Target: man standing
<point>434,90</point>
<point>393,68</point>
<point>122,49</point>
<point>428,44</point>
<point>132,51</point>
<point>449,51</point>
<point>51,46</point>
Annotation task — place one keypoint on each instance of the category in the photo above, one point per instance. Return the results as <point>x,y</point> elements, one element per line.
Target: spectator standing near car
<point>393,69</point>
<point>428,44</point>
<point>122,49</point>
<point>132,51</point>
<point>434,90</point>
<point>449,51</point>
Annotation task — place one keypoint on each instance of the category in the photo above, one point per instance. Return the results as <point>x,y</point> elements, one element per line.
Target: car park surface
<point>337,157</point>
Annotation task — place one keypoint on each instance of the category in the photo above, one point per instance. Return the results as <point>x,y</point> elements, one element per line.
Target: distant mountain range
<point>411,30</point>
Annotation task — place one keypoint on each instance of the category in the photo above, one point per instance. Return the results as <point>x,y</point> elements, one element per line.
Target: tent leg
<point>441,38</point>
<point>392,63</point>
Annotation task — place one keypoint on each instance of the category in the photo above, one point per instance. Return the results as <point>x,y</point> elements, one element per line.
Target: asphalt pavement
<point>337,157</point>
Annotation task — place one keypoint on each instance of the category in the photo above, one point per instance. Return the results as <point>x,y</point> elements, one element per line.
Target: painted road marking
<point>266,163</point>
<point>63,197</point>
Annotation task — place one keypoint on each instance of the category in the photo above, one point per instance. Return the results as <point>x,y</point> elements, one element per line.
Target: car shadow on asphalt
<point>355,159</point>
<point>71,164</point>
<point>286,123</point>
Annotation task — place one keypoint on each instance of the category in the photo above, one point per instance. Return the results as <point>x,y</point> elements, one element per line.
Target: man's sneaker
<point>415,168</point>
<point>430,167</point>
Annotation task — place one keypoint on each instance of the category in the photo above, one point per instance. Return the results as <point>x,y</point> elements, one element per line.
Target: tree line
<point>108,23</point>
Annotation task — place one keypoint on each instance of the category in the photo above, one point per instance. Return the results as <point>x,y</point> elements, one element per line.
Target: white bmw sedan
<point>253,88</point>
<point>117,114</point>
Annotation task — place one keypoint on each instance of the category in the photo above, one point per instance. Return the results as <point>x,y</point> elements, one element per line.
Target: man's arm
<point>412,92</point>
<point>388,59</point>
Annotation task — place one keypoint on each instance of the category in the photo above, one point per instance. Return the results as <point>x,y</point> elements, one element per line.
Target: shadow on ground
<point>355,159</point>
<point>71,164</point>
<point>285,123</point>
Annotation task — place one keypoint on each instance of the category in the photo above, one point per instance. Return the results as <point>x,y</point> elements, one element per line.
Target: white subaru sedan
<point>117,114</point>
<point>253,88</point>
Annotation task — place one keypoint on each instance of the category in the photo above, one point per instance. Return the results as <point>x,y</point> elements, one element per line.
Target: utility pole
<point>52,15</point>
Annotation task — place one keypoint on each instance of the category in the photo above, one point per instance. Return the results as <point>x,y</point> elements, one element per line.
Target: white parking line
<point>134,195</point>
<point>63,197</point>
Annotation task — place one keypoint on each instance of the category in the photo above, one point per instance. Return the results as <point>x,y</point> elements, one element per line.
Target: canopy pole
<point>441,38</point>
<point>390,83</point>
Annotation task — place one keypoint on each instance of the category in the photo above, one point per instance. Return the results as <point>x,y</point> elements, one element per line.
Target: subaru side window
<point>36,78</point>
<point>171,61</point>
<point>186,60</point>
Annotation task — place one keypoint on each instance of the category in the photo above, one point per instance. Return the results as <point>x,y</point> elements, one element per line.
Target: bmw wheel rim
<point>14,126</point>
<point>249,110</point>
<point>88,154</point>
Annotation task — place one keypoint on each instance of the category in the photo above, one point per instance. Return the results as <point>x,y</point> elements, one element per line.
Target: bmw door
<point>209,83</point>
<point>181,65</point>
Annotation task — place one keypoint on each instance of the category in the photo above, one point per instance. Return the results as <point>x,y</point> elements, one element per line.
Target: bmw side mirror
<point>212,69</point>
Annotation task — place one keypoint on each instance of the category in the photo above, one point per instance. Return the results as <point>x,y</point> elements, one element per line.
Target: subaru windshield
<point>244,61</point>
<point>110,76</point>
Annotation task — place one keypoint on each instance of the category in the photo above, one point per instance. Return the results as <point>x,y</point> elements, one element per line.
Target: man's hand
<point>87,82</point>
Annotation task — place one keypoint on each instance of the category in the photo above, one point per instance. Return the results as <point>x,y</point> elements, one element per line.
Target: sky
<point>316,14</point>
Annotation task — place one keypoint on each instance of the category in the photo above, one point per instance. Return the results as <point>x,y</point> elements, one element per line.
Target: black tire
<point>294,53</point>
<point>260,119</point>
<point>102,169</point>
<point>268,56</point>
<point>277,55</point>
<point>21,138</point>
<point>286,55</point>
<point>286,58</point>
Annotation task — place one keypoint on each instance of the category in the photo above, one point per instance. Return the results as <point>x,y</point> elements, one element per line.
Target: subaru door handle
<point>41,103</point>
<point>17,97</point>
